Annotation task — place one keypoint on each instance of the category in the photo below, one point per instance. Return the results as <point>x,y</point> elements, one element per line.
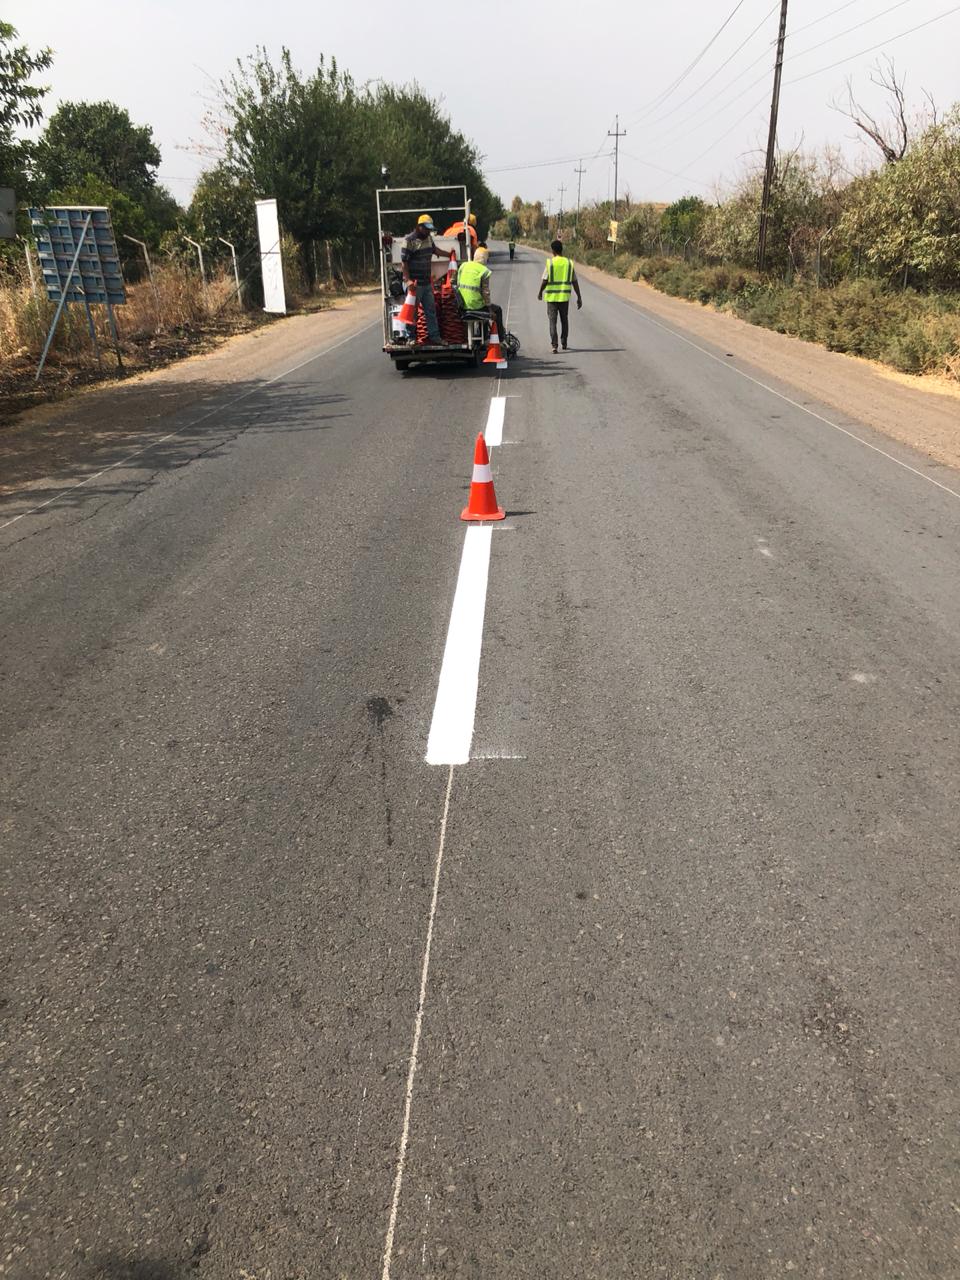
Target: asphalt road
<point>686,925</point>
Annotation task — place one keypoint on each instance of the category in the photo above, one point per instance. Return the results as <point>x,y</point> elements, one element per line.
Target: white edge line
<point>171,435</point>
<point>415,1047</point>
<point>454,711</point>
<point>638,310</point>
<point>494,429</point>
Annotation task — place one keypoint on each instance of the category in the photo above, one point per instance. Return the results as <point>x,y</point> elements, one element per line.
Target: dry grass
<point>175,302</point>
<point>160,322</point>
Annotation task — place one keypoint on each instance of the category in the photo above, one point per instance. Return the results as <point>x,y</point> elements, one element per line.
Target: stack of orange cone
<point>483,498</point>
<point>408,312</point>
<point>494,354</point>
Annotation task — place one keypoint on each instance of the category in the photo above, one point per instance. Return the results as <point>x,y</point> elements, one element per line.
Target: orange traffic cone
<point>483,499</point>
<point>408,312</point>
<point>452,269</point>
<point>494,354</point>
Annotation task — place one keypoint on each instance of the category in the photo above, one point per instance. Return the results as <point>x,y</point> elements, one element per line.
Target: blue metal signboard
<point>82,236</point>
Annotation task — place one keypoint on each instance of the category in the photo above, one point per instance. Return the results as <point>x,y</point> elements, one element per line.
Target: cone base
<point>467,514</point>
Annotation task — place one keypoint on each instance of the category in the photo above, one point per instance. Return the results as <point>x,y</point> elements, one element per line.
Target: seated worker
<point>416,257</point>
<point>473,284</point>
<point>456,229</point>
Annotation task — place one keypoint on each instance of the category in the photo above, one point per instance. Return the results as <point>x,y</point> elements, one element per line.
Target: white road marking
<point>417,1030</point>
<point>172,435</point>
<point>637,311</point>
<point>494,432</point>
<point>506,321</point>
<point>451,730</point>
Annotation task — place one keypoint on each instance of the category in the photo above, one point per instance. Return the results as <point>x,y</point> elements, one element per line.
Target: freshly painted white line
<point>451,730</point>
<point>415,1047</point>
<point>506,321</point>
<point>494,432</point>
<point>637,311</point>
<point>172,435</point>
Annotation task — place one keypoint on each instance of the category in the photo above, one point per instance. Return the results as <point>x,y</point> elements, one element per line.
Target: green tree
<point>20,105</point>
<point>146,221</point>
<point>907,215</point>
<point>317,142</point>
<point>223,205</point>
<point>683,220</point>
<point>97,138</point>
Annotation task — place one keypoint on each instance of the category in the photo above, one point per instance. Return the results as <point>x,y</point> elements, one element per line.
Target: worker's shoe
<point>554,350</point>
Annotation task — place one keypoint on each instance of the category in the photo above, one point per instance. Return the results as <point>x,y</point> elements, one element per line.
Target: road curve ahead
<point>651,971</point>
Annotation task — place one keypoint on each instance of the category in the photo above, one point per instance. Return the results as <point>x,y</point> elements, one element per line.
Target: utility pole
<point>617,134</point>
<point>561,189</point>
<point>580,171</point>
<point>771,142</point>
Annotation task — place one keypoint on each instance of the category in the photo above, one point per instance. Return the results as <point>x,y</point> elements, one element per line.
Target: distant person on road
<point>416,257</point>
<point>559,278</point>
<point>512,246</point>
<point>473,285</point>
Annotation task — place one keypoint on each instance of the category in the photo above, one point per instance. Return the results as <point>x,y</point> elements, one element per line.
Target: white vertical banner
<point>271,263</point>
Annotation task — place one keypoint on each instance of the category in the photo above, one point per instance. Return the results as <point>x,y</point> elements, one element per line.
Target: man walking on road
<point>419,250</point>
<point>559,278</point>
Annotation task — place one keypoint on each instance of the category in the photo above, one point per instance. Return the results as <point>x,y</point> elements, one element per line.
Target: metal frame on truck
<point>403,351</point>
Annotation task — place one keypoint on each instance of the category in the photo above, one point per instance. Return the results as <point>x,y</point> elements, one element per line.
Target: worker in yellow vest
<point>559,280</point>
<point>473,285</point>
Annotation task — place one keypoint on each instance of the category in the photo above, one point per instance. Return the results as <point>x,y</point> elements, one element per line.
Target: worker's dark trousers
<point>561,309</point>
<point>498,316</point>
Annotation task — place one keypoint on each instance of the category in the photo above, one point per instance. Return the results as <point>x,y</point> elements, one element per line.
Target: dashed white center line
<point>451,730</point>
<point>494,431</point>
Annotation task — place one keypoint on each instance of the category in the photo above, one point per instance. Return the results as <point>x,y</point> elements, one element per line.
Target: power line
<point>824,16</point>
<point>660,169</point>
<point>856,27</point>
<point>874,47</point>
<point>662,97</point>
<point>713,145</point>
<point>760,101</point>
<point>726,62</point>
<point>716,111</point>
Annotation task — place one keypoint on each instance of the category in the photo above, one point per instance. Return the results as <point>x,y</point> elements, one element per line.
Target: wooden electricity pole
<point>579,172</point>
<point>771,143</point>
<point>617,133</point>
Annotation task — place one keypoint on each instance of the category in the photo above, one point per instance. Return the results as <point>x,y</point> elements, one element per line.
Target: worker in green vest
<point>559,280</point>
<point>473,285</point>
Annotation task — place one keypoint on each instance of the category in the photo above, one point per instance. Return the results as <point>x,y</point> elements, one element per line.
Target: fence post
<point>146,258</point>
<point>203,274</point>
<point>236,273</point>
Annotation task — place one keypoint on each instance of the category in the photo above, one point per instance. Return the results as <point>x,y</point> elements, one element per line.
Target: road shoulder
<point>77,431</point>
<point>915,411</point>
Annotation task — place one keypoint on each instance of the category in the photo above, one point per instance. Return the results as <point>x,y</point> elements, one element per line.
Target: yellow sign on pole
<point>613,231</point>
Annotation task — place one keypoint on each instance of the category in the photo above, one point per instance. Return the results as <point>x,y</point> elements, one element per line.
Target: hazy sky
<point>529,83</point>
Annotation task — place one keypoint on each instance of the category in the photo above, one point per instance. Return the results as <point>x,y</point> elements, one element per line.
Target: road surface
<point>663,981</point>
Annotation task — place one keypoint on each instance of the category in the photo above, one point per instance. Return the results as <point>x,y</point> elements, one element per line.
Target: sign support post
<point>65,288</point>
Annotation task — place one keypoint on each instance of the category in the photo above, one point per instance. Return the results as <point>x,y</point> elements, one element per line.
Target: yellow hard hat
<point>424,220</point>
<point>473,219</point>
